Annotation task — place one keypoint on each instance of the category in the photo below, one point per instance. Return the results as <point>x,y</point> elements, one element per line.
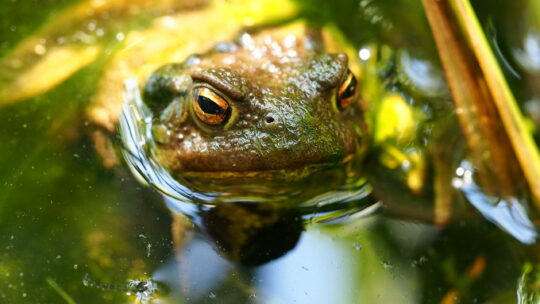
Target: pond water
<point>74,231</point>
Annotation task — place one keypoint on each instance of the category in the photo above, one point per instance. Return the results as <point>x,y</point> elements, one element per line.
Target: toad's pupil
<point>351,88</point>
<point>208,106</point>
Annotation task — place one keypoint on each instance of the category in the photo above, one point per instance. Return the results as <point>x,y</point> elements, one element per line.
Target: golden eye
<point>209,106</point>
<point>347,91</point>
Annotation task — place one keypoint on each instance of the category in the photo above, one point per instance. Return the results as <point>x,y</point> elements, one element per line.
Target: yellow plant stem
<point>522,141</point>
<point>488,143</point>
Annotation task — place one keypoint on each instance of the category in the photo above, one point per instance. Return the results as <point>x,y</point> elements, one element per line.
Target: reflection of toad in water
<point>252,234</point>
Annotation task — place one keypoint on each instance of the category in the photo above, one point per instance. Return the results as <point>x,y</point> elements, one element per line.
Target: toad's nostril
<point>270,119</point>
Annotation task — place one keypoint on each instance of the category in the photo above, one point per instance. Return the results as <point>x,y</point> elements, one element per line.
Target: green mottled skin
<point>282,90</point>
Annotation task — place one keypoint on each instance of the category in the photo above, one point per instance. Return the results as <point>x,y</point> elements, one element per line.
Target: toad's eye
<point>209,106</point>
<point>347,91</point>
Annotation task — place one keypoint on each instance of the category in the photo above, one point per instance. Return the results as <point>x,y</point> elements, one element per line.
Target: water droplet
<point>387,265</point>
<point>91,26</point>
<point>120,36</point>
<point>40,49</point>
<point>357,247</point>
<point>364,54</point>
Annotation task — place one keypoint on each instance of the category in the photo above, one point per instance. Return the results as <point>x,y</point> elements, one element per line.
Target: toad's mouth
<point>288,174</point>
<point>282,174</point>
